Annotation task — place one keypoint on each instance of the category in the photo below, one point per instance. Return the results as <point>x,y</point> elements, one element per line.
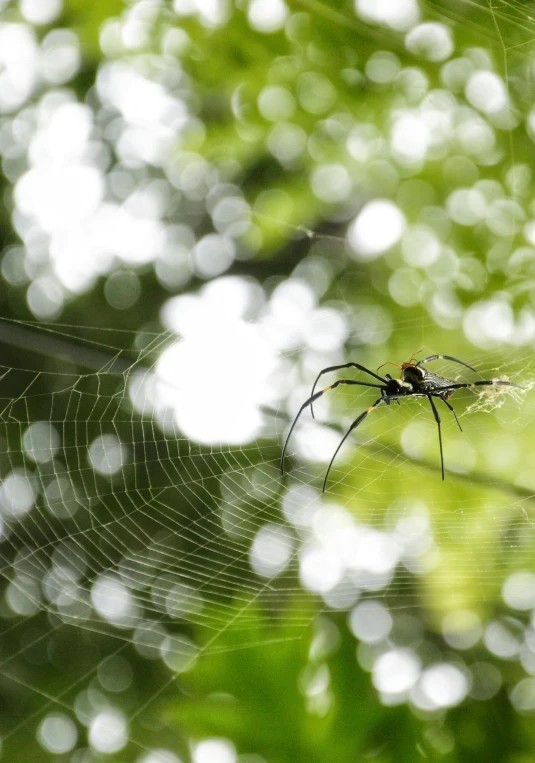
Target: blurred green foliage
<point>264,644</point>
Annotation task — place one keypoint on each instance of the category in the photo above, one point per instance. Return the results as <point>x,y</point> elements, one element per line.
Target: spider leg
<point>313,398</point>
<point>452,410</point>
<point>383,394</point>
<point>384,399</point>
<point>437,419</point>
<point>445,357</point>
<point>337,368</point>
<point>354,425</point>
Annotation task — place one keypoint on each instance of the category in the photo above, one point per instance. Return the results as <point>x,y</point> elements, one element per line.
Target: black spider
<point>415,381</point>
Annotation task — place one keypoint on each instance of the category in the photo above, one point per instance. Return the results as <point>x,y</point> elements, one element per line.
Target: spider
<point>414,381</point>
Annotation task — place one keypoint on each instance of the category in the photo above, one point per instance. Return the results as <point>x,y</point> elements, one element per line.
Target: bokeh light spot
<point>315,92</point>
<point>108,732</point>
<point>518,590</point>
<point>19,58</point>
<point>214,751</point>
<point>41,442</point>
<point>396,671</point>
<point>431,40</point>
<point>107,454</point>
<point>410,138</point>
<point>57,733</point>
<point>179,653</point>
<point>487,92</point>
<point>271,550</point>
<point>17,494</point>
<point>370,621</point>
<point>466,206</point>
<point>267,17</point>
<point>331,183</point>
<point>41,11</point>
<point>212,255</point>
<point>523,696</point>
<point>113,601</point>
<point>399,15</point>
<point>382,66</point>
<point>122,289</point>
<point>276,103</point>
<point>445,685</point>
<point>378,226</point>
<point>115,674</point>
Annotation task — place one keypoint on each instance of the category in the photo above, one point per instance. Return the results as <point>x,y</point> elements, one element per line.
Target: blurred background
<point>205,203</point>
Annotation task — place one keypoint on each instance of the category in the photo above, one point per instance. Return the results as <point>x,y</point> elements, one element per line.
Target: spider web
<point>117,526</point>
